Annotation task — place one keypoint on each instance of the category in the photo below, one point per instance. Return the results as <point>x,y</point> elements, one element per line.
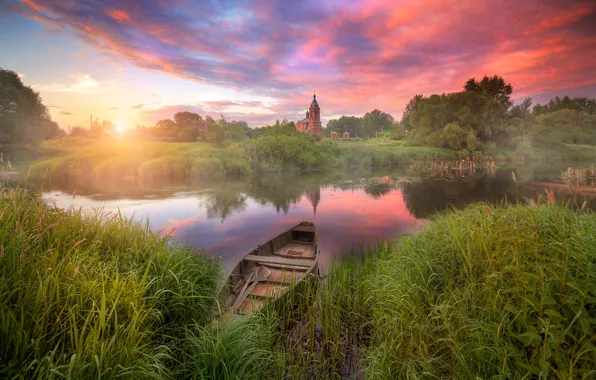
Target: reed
<point>503,292</point>
<point>94,295</point>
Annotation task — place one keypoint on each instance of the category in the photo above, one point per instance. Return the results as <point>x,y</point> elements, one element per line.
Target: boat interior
<point>269,270</point>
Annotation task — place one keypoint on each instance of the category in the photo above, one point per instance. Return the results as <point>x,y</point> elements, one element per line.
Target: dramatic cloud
<point>66,113</point>
<point>357,55</point>
<point>137,106</point>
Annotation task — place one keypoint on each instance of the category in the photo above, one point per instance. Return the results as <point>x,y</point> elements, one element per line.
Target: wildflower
<point>76,271</point>
<point>538,201</point>
<point>49,269</point>
<point>584,205</point>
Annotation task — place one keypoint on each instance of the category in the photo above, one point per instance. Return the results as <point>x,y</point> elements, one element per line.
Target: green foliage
<point>493,87</point>
<point>447,120</point>
<point>24,119</point>
<point>351,124</point>
<point>94,295</point>
<point>508,292</point>
<point>567,126</point>
<point>566,103</point>
<point>238,348</point>
<point>188,134</point>
<point>376,121</point>
<point>283,127</point>
<point>411,107</point>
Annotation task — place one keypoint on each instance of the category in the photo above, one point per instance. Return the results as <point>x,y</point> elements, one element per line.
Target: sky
<point>138,61</point>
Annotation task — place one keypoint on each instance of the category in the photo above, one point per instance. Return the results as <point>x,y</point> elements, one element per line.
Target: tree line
<point>481,115</point>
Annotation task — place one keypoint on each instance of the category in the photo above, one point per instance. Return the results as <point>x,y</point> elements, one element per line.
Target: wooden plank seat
<point>279,260</point>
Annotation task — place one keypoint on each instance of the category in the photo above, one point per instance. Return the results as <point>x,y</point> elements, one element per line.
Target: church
<point>312,122</point>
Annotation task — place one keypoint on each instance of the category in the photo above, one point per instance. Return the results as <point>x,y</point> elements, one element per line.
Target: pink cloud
<point>358,56</point>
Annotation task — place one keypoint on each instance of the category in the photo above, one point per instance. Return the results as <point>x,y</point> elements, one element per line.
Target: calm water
<point>230,217</point>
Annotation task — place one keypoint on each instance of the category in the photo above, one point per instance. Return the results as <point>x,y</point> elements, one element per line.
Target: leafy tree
<point>492,87</point>
<point>24,119</point>
<point>188,119</point>
<point>166,124</point>
<point>283,127</point>
<point>53,131</point>
<point>188,134</point>
<point>351,124</point>
<point>410,109</point>
<point>376,121</point>
<point>522,110</point>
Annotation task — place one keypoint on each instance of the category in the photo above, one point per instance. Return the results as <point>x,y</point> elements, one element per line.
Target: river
<point>351,208</point>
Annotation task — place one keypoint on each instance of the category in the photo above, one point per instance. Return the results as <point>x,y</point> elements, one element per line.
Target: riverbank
<point>97,159</point>
<point>486,291</point>
<point>77,158</point>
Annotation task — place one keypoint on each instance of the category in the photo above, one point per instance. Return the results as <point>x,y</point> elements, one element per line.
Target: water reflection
<point>229,217</point>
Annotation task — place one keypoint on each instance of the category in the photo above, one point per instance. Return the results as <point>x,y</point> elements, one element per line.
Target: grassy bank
<point>485,292</point>
<point>80,158</point>
<point>502,292</point>
<point>90,296</point>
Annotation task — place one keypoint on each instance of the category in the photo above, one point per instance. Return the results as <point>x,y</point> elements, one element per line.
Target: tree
<point>522,110</point>
<point>188,119</point>
<point>491,87</point>
<point>53,131</point>
<point>24,119</point>
<point>351,124</point>
<point>557,104</point>
<point>409,110</point>
<point>376,121</point>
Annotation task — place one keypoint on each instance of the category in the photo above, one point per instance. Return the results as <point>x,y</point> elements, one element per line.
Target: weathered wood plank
<point>279,260</point>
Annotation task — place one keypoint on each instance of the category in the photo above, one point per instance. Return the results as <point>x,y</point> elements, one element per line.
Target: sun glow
<point>120,128</point>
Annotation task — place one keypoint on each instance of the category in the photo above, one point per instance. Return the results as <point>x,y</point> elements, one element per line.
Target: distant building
<point>312,122</point>
<point>334,135</point>
<point>346,135</point>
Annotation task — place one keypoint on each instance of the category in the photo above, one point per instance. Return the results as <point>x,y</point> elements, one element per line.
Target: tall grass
<point>94,295</point>
<point>237,348</point>
<point>485,292</point>
<point>481,293</point>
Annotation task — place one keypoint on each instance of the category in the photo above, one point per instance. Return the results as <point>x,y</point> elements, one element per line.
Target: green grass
<point>481,293</point>
<point>97,159</point>
<point>484,292</point>
<point>94,295</point>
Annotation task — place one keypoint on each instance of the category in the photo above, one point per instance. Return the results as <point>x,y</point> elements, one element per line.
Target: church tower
<point>312,122</point>
<point>314,110</point>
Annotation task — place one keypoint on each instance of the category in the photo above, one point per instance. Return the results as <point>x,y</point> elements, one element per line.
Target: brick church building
<point>312,122</point>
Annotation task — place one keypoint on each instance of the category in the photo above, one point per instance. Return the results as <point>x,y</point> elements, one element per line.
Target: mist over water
<point>351,209</point>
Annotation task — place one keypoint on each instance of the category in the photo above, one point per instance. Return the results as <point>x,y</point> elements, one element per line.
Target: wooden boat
<point>268,272</point>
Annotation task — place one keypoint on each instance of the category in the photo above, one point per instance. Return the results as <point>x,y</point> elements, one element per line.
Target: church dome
<point>314,103</point>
